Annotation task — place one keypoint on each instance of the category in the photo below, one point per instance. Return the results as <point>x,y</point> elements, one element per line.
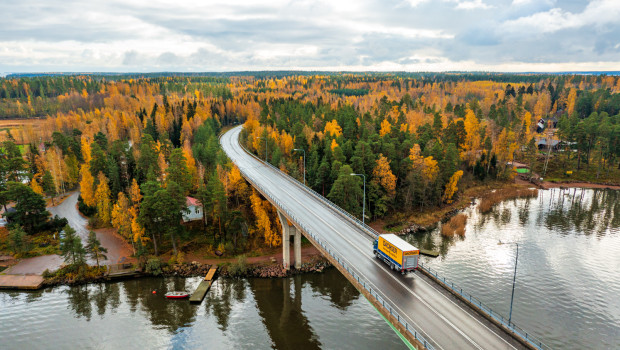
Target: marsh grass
<point>455,226</point>
<point>488,201</point>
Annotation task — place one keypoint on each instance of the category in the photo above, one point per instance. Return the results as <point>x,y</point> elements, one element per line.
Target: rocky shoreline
<point>271,270</point>
<point>195,269</point>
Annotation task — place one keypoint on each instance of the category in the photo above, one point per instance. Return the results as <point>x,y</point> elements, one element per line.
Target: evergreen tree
<point>347,191</point>
<point>29,207</point>
<point>94,249</point>
<point>71,247</point>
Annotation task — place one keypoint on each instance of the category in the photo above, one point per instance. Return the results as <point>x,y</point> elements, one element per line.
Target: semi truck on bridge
<point>398,254</point>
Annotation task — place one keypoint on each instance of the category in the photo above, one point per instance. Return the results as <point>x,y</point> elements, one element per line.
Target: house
<point>195,210</point>
<point>542,143</point>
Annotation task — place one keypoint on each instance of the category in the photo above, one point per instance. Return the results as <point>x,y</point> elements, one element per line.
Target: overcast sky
<point>360,35</point>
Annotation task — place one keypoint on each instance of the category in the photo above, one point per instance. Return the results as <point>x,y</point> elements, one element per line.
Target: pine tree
<point>71,247</point>
<point>94,249</point>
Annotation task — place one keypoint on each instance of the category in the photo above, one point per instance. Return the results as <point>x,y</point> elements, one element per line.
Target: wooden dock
<point>204,286</point>
<point>432,253</point>
<point>122,271</point>
<point>21,281</point>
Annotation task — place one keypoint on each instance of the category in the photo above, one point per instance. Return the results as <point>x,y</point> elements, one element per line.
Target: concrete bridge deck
<point>443,321</point>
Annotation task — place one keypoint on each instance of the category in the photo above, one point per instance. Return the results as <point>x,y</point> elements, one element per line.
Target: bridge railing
<point>485,308</point>
<point>369,230</point>
<point>360,279</point>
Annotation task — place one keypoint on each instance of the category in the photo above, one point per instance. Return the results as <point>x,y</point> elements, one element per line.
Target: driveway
<point>118,249</point>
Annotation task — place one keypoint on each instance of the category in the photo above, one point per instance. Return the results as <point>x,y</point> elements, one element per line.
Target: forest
<point>136,146</point>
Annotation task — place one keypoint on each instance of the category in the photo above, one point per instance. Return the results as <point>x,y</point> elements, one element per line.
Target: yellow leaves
<point>403,127</point>
<point>572,98</point>
<point>451,187</point>
<point>427,166</point>
<point>263,222</point>
<point>286,142</point>
<point>472,138</point>
<point>386,127</point>
<point>87,186</point>
<point>138,231</point>
<point>102,199</point>
<point>334,145</point>
<point>333,129</point>
<point>416,158</point>
<point>430,169</point>
<point>121,216</point>
<point>134,193</point>
<point>86,150</point>
<point>384,176</point>
<point>505,146</point>
<point>236,181</point>
<point>34,184</point>
<point>358,122</point>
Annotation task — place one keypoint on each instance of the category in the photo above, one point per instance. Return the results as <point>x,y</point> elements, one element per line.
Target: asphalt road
<point>117,248</point>
<point>443,321</point>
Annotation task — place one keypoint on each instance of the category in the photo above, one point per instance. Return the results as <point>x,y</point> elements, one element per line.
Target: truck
<point>398,254</point>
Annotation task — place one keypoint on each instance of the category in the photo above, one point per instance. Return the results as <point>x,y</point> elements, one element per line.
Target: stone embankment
<point>275,270</point>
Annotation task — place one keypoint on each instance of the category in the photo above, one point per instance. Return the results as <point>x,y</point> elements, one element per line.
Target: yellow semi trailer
<point>398,254</point>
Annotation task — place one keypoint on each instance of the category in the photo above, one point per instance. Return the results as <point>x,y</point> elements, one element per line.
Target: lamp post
<point>303,150</point>
<point>514,279</point>
<point>364,201</point>
<point>264,138</point>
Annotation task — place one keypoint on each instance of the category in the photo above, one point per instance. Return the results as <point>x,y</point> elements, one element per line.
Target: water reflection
<point>567,282</point>
<point>562,211</point>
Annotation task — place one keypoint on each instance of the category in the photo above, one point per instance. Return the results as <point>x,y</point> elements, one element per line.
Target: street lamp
<point>299,149</point>
<point>514,278</point>
<point>264,138</point>
<point>364,201</point>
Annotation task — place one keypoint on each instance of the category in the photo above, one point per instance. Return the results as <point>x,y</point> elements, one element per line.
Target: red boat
<point>177,295</point>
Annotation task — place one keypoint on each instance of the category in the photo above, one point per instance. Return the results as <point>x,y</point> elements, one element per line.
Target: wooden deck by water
<point>21,281</point>
<point>203,287</point>
<point>432,253</point>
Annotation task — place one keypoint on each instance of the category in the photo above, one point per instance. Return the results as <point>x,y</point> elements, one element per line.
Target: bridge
<point>421,310</point>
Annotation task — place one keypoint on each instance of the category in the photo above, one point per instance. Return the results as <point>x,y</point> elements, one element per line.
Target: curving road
<point>443,320</point>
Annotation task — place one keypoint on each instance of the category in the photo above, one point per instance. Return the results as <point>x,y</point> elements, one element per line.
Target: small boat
<point>177,295</point>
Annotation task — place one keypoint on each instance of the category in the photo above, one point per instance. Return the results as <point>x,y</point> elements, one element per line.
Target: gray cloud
<point>365,34</point>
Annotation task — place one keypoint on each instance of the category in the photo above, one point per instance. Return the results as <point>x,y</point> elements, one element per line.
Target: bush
<point>239,268</point>
<point>153,266</point>
<point>456,225</point>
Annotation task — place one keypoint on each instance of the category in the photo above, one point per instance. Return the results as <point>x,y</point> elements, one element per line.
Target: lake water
<point>567,290</point>
<point>304,312</point>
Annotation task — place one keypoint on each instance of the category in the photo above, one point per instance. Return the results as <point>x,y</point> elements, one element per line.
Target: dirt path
<point>35,266</point>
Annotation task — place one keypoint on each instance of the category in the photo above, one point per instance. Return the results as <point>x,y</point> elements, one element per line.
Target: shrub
<point>238,268</point>
<point>456,225</point>
<point>153,266</point>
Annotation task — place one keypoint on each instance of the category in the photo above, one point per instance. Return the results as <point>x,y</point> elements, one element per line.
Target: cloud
<point>474,4</point>
<point>152,35</point>
<point>598,13</point>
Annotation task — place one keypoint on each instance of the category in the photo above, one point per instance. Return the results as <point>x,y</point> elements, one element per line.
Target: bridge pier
<point>289,230</point>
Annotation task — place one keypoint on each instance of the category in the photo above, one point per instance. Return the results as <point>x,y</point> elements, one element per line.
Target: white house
<point>195,210</point>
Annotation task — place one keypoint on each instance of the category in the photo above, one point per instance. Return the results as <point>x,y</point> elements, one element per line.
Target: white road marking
<point>383,268</point>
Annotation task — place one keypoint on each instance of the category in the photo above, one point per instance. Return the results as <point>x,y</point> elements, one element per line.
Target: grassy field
<point>557,172</point>
<point>15,126</point>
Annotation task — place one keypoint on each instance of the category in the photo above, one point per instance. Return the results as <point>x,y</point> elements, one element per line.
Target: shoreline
<point>428,219</point>
<point>317,264</point>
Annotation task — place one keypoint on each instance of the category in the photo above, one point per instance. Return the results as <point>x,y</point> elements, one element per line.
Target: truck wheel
<point>392,266</point>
